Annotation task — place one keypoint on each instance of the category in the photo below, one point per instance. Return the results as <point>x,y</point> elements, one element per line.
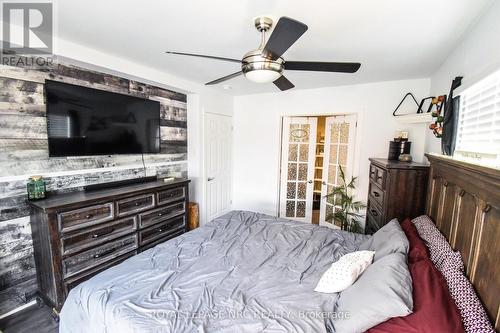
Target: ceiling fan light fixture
<point>262,75</point>
<point>260,69</point>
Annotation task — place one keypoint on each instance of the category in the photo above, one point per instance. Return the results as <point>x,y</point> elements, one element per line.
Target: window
<point>478,132</point>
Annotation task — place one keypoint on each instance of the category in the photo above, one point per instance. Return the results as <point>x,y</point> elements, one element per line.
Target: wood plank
<point>20,91</point>
<point>16,252</point>
<point>138,89</point>
<point>23,127</point>
<point>449,193</point>
<point>21,97</point>
<point>18,144</point>
<point>20,163</point>
<point>433,208</point>
<point>25,74</point>
<point>22,109</point>
<point>165,93</point>
<point>13,207</point>
<point>171,109</point>
<point>486,275</point>
<point>173,134</point>
<point>16,188</point>
<point>173,123</point>
<point>463,237</point>
<point>173,147</point>
<point>16,156</point>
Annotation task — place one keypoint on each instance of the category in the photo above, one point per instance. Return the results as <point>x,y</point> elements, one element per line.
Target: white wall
<point>257,130</point>
<point>477,55</point>
<point>201,99</point>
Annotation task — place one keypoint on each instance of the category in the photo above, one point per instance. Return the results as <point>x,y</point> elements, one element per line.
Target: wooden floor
<point>315,216</point>
<point>34,319</point>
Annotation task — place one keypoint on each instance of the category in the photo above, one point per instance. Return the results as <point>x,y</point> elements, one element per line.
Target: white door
<point>297,168</point>
<point>340,134</point>
<point>218,139</point>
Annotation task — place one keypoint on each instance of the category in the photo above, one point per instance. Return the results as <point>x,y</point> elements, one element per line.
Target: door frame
<point>204,174</point>
<point>357,144</point>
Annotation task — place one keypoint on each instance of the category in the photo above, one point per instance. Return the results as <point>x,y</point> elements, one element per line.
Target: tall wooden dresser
<point>77,235</point>
<point>397,190</point>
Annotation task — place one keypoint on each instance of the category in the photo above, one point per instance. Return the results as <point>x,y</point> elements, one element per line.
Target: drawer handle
<point>375,194</point>
<point>105,253</point>
<point>96,235</point>
<point>374,212</point>
<point>379,177</point>
<point>88,216</point>
<point>160,214</point>
<point>137,204</point>
<point>159,230</point>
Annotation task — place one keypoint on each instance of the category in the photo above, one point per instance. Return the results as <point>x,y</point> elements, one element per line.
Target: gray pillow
<point>388,239</point>
<point>382,292</point>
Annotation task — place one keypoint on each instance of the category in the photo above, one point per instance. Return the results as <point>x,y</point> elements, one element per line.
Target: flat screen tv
<point>83,121</point>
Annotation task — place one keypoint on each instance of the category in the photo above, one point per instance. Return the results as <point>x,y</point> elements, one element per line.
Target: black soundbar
<point>120,183</point>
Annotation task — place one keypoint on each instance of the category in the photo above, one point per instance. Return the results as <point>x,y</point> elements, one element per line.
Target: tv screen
<point>84,121</point>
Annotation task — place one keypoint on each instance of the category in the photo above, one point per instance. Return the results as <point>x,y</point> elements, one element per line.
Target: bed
<point>245,270</point>
<point>249,272</point>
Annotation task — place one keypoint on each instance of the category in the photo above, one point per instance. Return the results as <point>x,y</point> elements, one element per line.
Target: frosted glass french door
<point>297,168</point>
<point>340,134</point>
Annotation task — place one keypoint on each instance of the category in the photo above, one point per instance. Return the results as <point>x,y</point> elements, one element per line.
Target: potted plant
<point>346,209</point>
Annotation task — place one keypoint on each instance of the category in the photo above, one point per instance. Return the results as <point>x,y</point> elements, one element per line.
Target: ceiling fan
<point>266,64</point>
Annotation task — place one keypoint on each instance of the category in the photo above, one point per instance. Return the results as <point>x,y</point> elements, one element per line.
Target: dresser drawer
<point>135,204</point>
<point>82,239</point>
<point>171,195</point>
<point>162,229</point>
<point>373,172</point>
<point>85,217</point>
<point>378,175</point>
<point>371,226</point>
<point>98,255</point>
<point>374,212</point>
<point>162,240</point>
<point>161,214</point>
<point>76,280</point>
<point>376,194</point>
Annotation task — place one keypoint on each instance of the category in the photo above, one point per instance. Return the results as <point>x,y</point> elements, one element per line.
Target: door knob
<point>210,179</point>
<point>323,183</point>
<point>310,181</point>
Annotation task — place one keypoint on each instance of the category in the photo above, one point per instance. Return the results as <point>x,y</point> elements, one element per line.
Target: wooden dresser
<point>77,235</point>
<point>396,190</point>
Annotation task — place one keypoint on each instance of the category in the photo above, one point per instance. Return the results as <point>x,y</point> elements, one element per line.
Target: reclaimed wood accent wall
<point>24,152</point>
<point>464,201</point>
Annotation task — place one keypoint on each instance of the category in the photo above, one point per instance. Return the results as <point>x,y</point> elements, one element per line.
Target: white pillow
<point>344,272</point>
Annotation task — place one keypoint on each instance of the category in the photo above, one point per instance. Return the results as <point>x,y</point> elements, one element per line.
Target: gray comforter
<point>243,272</point>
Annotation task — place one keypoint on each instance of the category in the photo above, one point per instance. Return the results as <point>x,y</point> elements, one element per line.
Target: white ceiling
<point>393,39</point>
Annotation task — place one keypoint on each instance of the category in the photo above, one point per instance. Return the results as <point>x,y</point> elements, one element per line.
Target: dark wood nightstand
<point>396,190</point>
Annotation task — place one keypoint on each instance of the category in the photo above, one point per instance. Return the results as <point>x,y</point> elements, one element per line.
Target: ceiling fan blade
<point>205,56</point>
<point>283,84</point>
<point>225,78</point>
<point>318,66</point>
<point>286,32</point>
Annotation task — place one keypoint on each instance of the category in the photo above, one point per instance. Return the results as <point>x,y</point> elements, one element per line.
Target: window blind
<point>479,117</point>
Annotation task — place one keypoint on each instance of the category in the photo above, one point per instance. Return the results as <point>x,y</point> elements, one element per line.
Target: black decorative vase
<point>397,148</point>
